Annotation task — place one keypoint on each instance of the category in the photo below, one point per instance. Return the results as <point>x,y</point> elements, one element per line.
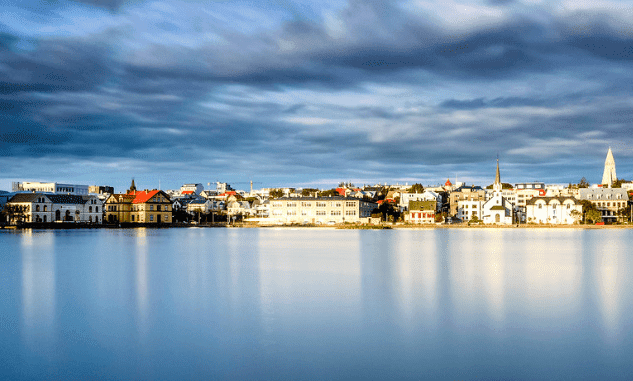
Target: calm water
<point>280,304</point>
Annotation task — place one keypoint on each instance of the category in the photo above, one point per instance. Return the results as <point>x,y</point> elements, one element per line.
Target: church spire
<point>497,185</point>
<point>608,176</point>
<point>132,187</point>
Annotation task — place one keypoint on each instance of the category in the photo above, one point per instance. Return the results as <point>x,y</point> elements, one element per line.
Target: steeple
<point>497,185</point>
<point>132,187</point>
<point>608,176</point>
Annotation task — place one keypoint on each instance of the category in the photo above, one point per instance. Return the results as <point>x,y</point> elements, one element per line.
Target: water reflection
<point>38,289</point>
<point>142,288</point>
<point>477,268</point>
<point>416,277</point>
<point>611,262</point>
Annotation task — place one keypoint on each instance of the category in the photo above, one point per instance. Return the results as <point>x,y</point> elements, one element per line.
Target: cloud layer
<point>314,92</point>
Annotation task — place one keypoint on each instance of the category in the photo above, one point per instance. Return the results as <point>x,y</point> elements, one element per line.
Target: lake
<point>312,304</point>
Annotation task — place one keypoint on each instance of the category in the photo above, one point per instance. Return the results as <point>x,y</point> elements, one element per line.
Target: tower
<point>608,176</point>
<point>132,189</point>
<point>497,185</point>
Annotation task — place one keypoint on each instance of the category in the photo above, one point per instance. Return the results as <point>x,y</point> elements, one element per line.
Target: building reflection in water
<point>416,277</point>
<point>38,289</point>
<point>553,270</point>
<point>478,275</point>
<point>610,265</point>
<point>303,276</point>
<point>142,286</point>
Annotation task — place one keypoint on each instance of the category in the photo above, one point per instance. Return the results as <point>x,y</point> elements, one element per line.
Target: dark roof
<point>497,207</point>
<point>66,199</point>
<point>25,197</point>
<point>54,198</point>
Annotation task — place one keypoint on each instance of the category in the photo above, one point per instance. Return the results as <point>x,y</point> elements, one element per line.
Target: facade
<point>607,200</point>
<point>531,185</point>
<point>319,210</point>
<point>407,198</point>
<point>467,210</point>
<point>498,209</point>
<point>45,208</point>
<point>36,186</point>
<point>145,207</point>
<point>100,189</point>
<point>421,212</point>
<point>464,194</point>
<point>192,189</point>
<point>199,206</point>
<point>608,175</point>
<point>553,210</point>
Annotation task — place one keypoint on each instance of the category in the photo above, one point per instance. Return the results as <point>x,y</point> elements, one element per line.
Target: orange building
<point>145,207</point>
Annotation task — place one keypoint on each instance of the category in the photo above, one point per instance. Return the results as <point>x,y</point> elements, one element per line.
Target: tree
<point>328,193</point>
<point>577,216</point>
<point>618,183</point>
<point>503,186</point>
<point>583,183</point>
<point>416,188</point>
<point>276,193</point>
<point>590,212</point>
<point>306,192</point>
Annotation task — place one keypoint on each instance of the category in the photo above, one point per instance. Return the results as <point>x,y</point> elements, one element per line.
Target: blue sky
<point>306,93</point>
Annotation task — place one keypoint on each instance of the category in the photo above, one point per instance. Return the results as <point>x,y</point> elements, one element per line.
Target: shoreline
<point>55,226</point>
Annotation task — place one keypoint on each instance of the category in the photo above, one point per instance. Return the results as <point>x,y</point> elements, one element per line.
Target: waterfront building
<point>46,207</point>
<point>421,211</point>
<point>498,209</point>
<point>319,210</point>
<point>406,198</point>
<point>148,206</point>
<point>553,210</point>
<point>607,200</point>
<point>608,175</point>
<point>464,193</point>
<point>36,186</point>
<point>467,210</point>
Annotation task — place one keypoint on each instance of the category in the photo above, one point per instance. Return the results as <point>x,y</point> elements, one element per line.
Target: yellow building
<point>146,207</point>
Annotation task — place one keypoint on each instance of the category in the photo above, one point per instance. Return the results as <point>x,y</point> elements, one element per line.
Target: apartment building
<point>319,210</point>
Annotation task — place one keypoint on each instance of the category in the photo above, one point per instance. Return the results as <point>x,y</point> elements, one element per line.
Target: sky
<point>313,93</point>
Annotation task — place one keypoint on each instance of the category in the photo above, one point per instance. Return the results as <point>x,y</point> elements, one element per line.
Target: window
<point>90,209</point>
<point>151,207</point>
<point>540,206</point>
<point>96,209</point>
<point>276,204</point>
<point>320,205</point>
<point>166,218</point>
<point>45,208</point>
<point>320,213</point>
<point>335,213</point>
<point>304,212</point>
<point>350,204</point>
<point>132,218</point>
<point>151,218</point>
<point>306,204</point>
<point>37,208</point>
<point>292,205</point>
<point>350,212</point>
<point>292,212</point>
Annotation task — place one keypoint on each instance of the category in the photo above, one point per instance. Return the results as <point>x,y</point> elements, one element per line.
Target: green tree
<point>306,192</point>
<point>503,186</point>
<point>416,188</point>
<point>618,183</point>
<point>590,212</point>
<point>276,193</point>
<point>328,193</point>
<point>583,183</point>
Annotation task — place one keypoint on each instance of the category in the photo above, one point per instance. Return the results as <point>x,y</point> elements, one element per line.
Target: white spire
<point>608,176</point>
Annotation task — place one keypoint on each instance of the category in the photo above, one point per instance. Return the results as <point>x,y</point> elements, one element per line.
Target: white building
<point>607,200</point>
<point>553,210</point>
<point>427,195</point>
<point>319,210</point>
<point>36,186</point>
<point>42,207</point>
<point>191,189</point>
<point>497,209</point>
